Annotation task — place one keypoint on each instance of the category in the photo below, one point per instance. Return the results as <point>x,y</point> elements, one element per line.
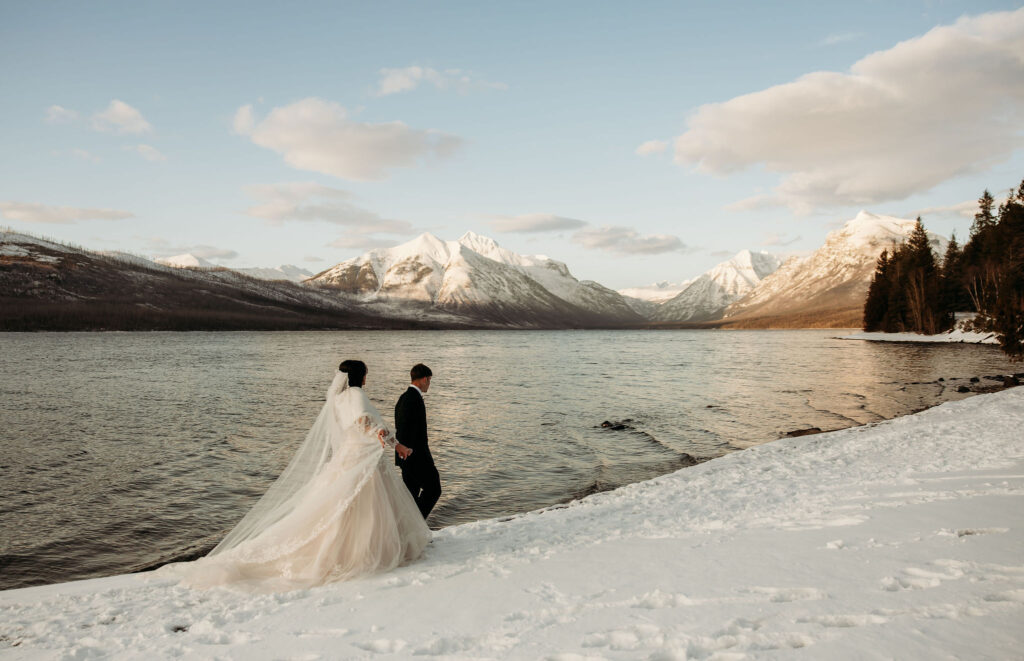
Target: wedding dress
<point>336,512</point>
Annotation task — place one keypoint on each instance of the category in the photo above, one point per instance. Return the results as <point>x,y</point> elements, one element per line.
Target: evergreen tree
<point>952,297</point>
<point>984,218</point>
<point>878,296</point>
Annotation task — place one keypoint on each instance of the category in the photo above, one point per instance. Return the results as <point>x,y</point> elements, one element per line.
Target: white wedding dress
<point>336,512</point>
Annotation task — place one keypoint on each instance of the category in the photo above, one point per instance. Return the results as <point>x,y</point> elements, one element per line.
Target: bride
<point>337,511</point>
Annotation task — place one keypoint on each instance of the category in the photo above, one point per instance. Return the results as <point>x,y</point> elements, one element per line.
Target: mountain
<point>657,293</point>
<point>45,285</point>
<point>283,272</point>
<point>828,287</point>
<point>188,260</point>
<point>477,278</point>
<point>707,297</point>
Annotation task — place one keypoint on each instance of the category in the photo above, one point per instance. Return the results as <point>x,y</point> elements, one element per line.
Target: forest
<point>914,290</point>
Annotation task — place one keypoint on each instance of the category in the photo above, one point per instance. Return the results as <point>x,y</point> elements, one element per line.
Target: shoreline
<point>900,536</point>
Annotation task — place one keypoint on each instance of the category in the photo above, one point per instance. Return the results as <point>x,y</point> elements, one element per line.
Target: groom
<point>418,471</point>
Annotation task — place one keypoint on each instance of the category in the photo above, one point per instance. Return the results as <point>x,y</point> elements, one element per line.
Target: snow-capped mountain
<point>477,277</point>
<point>828,287</point>
<point>283,272</point>
<point>187,260</point>
<point>707,297</point>
<point>659,292</point>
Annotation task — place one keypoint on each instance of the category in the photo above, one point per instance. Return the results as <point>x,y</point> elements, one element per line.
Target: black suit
<point>418,471</point>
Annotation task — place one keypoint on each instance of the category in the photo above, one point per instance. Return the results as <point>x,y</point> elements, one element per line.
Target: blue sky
<point>260,134</point>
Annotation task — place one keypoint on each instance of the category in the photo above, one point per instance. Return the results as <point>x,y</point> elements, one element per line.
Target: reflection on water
<point>121,450</point>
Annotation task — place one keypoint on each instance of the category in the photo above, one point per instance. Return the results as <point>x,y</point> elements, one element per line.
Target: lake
<point>120,451</point>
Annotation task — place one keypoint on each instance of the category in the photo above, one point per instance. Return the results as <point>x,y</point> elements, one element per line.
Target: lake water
<point>119,451</point>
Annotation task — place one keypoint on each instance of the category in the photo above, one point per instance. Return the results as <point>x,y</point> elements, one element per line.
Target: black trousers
<point>424,483</point>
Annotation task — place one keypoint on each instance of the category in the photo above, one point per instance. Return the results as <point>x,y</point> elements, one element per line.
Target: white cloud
<point>149,153</point>
<point>312,259</point>
<point>32,212</point>
<point>535,222</point>
<point>163,248</point>
<point>776,239</point>
<point>651,147</point>
<point>59,115</point>
<point>316,135</point>
<point>900,122</point>
<point>627,241</point>
<point>361,242</point>
<point>311,202</point>
<point>406,79</point>
<point>244,121</point>
<point>119,117</point>
<point>834,39</point>
<point>965,209</point>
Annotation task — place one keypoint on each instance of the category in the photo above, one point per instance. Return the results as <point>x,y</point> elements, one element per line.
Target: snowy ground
<point>902,540</point>
<point>956,335</point>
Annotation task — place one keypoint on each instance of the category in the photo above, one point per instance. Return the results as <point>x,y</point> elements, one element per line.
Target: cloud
<point>651,147</point>
<point>312,202</point>
<point>834,39</point>
<point>149,153</point>
<point>722,253</point>
<point>317,135</point>
<point>965,209</point>
<point>406,79</point>
<point>627,241</point>
<point>312,258</point>
<point>775,239</point>
<point>900,122</point>
<point>534,222</point>
<point>244,122</point>
<point>32,212</point>
<point>60,115</point>
<point>161,248</point>
<point>119,117</point>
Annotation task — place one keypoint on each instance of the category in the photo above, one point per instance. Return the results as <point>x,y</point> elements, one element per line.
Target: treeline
<point>914,291</point>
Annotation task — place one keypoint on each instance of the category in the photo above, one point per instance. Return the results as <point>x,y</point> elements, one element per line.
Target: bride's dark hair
<point>356,370</point>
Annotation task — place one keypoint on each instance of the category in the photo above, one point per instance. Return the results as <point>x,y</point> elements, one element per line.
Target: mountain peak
<point>186,260</point>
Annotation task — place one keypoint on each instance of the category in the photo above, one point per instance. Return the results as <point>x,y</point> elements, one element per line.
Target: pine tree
<point>877,302</point>
<point>952,297</point>
<point>984,218</point>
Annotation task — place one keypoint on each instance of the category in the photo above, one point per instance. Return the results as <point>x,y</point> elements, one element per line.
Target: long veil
<point>285,493</point>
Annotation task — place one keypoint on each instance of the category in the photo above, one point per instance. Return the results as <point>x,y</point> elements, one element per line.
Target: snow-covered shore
<point>956,335</point>
<point>903,539</point>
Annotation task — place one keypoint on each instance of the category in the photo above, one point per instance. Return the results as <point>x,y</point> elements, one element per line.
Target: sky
<point>636,142</point>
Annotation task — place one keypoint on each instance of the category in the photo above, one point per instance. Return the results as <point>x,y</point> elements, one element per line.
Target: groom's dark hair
<point>356,370</point>
<point>418,371</point>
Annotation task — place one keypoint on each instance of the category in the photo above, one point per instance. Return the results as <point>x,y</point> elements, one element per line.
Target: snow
<point>187,260</point>
<point>896,540</point>
<point>283,272</point>
<point>659,292</point>
<point>707,296</point>
<point>472,272</point>
<point>955,335</point>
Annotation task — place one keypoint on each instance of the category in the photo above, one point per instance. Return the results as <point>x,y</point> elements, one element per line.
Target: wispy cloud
<point>312,202</point>
<point>840,38</point>
<point>627,241</point>
<point>149,153</point>
<point>900,122</point>
<point>161,248</point>
<point>406,79</point>
<point>33,212</point>
<point>651,147</point>
<point>60,115</point>
<point>119,117</point>
<point>317,135</point>
<point>776,239</point>
<point>534,222</point>
<point>85,155</point>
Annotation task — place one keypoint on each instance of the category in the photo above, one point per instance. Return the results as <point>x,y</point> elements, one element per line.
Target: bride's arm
<point>373,426</point>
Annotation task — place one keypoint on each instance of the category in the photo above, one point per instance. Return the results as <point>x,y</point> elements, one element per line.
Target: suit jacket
<point>411,428</point>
